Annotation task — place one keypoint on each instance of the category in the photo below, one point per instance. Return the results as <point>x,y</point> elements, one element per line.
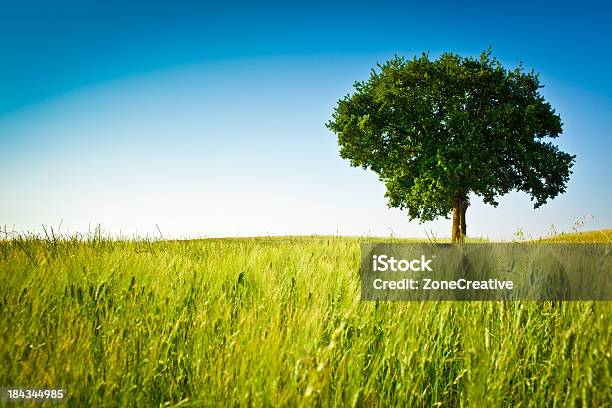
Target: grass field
<point>585,237</point>
<point>276,322</point>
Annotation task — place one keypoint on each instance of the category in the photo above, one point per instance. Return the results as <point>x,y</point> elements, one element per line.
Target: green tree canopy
<point>436,131</point>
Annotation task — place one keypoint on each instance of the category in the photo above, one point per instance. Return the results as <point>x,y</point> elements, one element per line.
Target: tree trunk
<point>460,205</point>
<point>456,232</point>
<point>464,206</point>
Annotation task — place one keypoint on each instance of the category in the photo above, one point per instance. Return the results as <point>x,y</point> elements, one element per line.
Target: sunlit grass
<point>599,236</point>
<point>276,322</point>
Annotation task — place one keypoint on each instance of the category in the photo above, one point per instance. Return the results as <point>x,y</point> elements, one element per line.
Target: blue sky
<point>207,119</point>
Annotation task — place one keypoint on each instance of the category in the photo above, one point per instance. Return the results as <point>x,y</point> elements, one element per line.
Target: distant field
<point>278,322</point>
<point>599,236</point>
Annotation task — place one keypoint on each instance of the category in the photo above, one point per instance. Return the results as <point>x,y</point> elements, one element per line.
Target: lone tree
<point>436,131</point>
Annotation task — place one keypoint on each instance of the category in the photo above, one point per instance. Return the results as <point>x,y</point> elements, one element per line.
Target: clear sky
<point>207,119</point>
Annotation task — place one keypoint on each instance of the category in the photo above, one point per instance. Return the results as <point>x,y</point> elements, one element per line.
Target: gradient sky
<point>207,119</point>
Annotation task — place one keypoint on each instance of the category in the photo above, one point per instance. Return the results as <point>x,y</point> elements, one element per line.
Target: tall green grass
<point>276,322</point>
